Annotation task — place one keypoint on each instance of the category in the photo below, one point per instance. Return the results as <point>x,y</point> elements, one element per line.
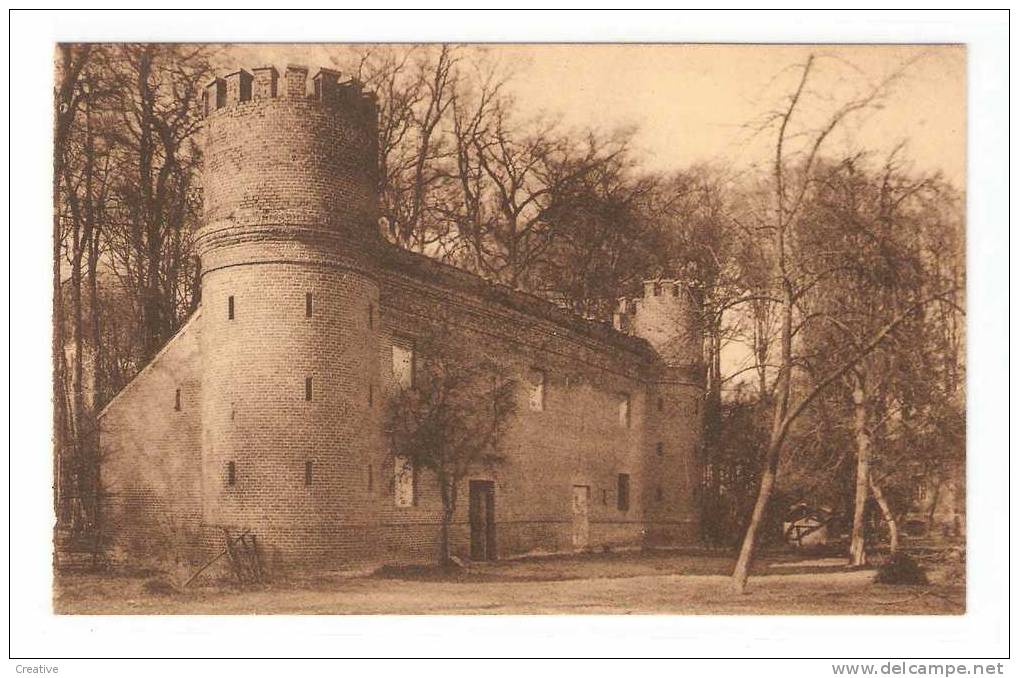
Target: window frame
<point>625,405</point>
<point>402,343</point>
<point>542,390</point>
<point>408,474</point>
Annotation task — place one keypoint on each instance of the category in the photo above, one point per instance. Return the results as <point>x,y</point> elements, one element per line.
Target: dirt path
<point>836,592</point>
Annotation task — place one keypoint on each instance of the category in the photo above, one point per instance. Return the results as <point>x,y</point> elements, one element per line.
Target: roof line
<point>159,354</point>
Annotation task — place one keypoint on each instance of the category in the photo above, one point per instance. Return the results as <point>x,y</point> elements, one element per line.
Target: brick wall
<point>151,457</point>
<point>290,209</point>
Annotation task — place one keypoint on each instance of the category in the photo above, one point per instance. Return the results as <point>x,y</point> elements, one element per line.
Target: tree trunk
<point>741,573</point>
<point>886,511</point>
<point>444,538</point>
<point>857,550</point>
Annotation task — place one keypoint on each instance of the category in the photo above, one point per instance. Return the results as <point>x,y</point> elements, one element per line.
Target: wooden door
<point>581,519</point>
<point>482,520</point>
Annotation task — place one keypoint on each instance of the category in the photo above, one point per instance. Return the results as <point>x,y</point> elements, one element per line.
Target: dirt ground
<point>613,583</point>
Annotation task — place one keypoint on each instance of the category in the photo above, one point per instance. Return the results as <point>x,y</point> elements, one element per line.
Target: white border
<point>35,632</point>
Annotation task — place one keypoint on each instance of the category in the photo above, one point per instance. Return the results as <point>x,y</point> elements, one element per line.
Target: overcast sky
<point>692,103</point>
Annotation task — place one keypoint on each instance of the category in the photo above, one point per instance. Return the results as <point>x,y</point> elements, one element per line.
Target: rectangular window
<point>230,308</point>
<point>307,388</point>
<point>536,398</point>
<point>605,497</point>
<point>403,363</point>
<point>307,472</point>
<point>624,410</point>
<point>231,473</point>
<point>371,478</point>
<point>661,403</point>
<point>403,482</point>
<point>659,449</point>
<point>307,305</point>
<point>176,400</point>
<point>623,492</point>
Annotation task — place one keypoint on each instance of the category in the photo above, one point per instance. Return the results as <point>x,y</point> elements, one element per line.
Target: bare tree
<point>67,103</point>
<point>159,94</point>
<point>453,418</point>
<point>792,278</point>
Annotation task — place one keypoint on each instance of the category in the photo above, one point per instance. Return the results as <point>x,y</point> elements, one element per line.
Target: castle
<point>265,412</point>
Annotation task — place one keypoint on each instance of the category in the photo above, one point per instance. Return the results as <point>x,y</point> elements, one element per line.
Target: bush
<point>900,569</point>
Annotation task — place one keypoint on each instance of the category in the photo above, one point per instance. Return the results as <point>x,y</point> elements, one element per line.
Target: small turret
<point>668,317</point>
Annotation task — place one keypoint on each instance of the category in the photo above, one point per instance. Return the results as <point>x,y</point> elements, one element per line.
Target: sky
<point>697,103</point>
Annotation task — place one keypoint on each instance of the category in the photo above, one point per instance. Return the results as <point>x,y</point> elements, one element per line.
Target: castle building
<point>265,412</point>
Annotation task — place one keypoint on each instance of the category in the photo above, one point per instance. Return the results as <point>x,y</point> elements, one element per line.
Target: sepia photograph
<point>449,328</point>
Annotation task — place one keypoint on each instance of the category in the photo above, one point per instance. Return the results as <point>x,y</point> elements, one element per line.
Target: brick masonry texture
<point>291,212</point>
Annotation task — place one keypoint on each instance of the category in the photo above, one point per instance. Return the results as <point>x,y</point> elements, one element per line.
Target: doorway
<point>482,519</point>
<point>581,519</point>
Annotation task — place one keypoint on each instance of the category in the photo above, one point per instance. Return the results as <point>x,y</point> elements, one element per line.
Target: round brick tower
<point>288,302</point>
<point>667,316</point>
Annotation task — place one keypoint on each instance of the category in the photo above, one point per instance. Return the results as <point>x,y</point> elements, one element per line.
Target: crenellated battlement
<point>658,292</point>
<point>667,316</point>
<point>264,83</point>
<point>287,159</point>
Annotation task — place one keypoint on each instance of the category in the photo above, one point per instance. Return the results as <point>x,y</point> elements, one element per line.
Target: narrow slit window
<point>371,396</point>
<point>307,305</point>
<point>308,468</point>
<point>371,317</point>
<point>371,478</point>
<point>230,308</point>
<point>176,400</point>
<point>231,473</point>
<point>307,388</point>
<point>661,403</point>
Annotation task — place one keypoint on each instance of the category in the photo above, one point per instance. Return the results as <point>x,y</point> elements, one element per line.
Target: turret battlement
<point>667,316</point>
<point>283,162</point>
<point>264,83</point>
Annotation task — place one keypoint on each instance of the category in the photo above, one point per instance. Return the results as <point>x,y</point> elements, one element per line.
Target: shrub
<point>900,569</point>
